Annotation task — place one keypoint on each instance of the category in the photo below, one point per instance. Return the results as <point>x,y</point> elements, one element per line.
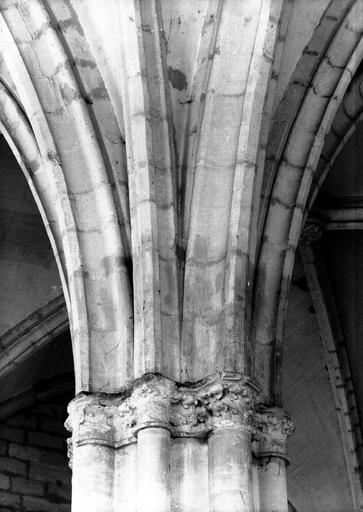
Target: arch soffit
<point>32,334</point>
<point>290,190</point>
<point>287,111</point>
<point>28,135</point>
<point>56,123</point>
<point>346,121</point>
<point>20,137</point>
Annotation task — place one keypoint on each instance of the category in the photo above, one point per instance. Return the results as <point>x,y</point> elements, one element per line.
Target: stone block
<point>51,441</point>
<point>52,425</point>
<point>24,452</point>
<point>45,473</point>
<point>24,421</point>
<point>3,447</point>
<point>33,504</point>
<point>12,434</point>
<point>9,465</point>
<point>24,486</point>
<point>54,458</point>
<point>51,410</point>
<point>59,491</point>
<point>4,481</point>
<point>8,500</point>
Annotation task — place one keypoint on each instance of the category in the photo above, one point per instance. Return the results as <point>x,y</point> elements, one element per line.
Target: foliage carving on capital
<point>114,420</point>
<point>272,428</point>
<point>100,419</point>
<point>311,233</point>
<point>188,415</point>
<point>221,403</point>
<point>152,400</point>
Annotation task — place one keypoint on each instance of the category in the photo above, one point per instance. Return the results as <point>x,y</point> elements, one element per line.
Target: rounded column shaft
<point>272,484</point>
<point>273,427</point>
<point>189,475</point>
<point>162,447</point>
<point>153,466</point>
<point>126,478</point>
<point>98,422</point>
<point>230,476</point>
<point>93,478</point>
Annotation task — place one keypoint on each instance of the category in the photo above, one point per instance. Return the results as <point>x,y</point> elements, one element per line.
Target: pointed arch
<point>286,207</point>
<point>78,186</point>
<point>346,121</point>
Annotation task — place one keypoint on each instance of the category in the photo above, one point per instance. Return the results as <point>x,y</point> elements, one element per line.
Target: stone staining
<point>157,203</point>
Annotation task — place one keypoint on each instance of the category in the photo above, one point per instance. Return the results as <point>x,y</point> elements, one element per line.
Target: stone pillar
<point>120,449</point>
<point>230,453</point>
<point>152,400</point>
<point>92,423</point>
<point>220,411</point>
<point>163,447</point>
<point>272,429</point>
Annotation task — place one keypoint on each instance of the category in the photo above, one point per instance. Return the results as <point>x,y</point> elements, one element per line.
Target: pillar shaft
<point>93,479</point>
<point>230,473</point>
<point>165,447</point>
<point>153,461</point>
<point>189,475</point>
<point>272,484</point>
<point>100,424</point>
<point>125,478</point>
<point>273,427</point>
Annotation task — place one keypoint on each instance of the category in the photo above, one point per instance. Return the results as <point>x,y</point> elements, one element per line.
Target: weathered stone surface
<point>272,428</point>
<point>219,402</point>
<point>147,161</point>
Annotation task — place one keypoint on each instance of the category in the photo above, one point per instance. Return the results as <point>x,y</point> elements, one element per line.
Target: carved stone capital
<point>114,420</point>
<point>225,401</point>
<point>220,401</point>
<point>152,399</point>
<point>272,427</point>
<point>101,419</point>
<point>311,233</point>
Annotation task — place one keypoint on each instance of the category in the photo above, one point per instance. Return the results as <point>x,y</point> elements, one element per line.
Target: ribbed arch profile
<point>81,191</point>
<point>295,172</point>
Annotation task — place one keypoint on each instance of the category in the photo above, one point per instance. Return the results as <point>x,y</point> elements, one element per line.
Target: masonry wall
<point>28,269</point>
<point>317,478</point>
<point>34,472</point>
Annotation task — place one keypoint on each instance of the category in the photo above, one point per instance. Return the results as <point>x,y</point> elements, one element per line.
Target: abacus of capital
<point>162,447</point>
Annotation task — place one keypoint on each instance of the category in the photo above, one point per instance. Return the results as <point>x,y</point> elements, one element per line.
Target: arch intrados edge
<point>35,126</point>
<point>315,148</point>
<point>288,109</point>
